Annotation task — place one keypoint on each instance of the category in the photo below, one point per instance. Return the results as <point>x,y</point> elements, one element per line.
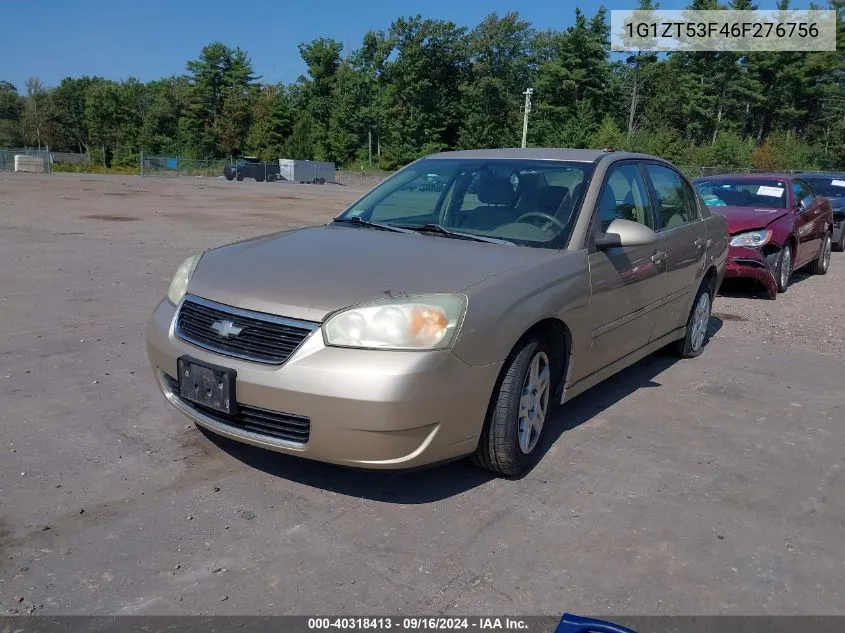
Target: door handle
<point>658,257</point>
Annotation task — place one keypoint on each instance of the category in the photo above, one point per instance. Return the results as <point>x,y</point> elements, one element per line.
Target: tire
<point>502,448</point>
<point>229,176</point>
<point>259,178</point>
<point>239,177</point>
<point>271,177</point>
<point>695,335</point>
<point>820,265</point>
<point>783,269</point>
<point>841,244</point>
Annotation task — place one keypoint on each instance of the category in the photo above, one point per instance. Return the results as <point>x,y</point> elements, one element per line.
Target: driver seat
<point>550,198</point>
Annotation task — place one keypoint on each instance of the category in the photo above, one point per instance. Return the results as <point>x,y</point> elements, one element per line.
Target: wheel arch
<point>559,337</point>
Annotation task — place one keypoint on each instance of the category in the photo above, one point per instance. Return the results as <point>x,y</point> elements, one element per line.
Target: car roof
<point>539,153</point>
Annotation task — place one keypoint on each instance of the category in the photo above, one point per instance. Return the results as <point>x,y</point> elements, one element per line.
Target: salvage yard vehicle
<point>831,186</point>
<point>777,225</point>
<point>251,167</point>
<point>420,325</point>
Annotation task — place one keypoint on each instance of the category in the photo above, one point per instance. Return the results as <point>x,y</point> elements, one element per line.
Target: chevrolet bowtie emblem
<point>226,328</point>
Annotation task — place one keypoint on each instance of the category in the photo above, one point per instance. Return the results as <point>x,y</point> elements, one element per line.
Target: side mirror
<point>625,233</point>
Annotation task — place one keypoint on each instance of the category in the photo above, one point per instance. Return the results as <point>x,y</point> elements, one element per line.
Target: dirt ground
<point>695,487</point>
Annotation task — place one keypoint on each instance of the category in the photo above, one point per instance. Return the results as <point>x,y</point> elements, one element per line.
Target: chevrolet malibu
<point>777,225</point>
<point>426,324</point>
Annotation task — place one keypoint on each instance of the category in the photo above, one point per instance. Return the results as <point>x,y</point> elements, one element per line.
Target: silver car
<point>425,324</point>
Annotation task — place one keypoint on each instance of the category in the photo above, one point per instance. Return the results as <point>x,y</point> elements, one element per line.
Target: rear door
<point>627,283</point>
<point>681,226</point>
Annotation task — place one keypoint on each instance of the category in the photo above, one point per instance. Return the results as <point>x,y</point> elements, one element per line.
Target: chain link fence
<point>175,166</point>
<point>361,178</point>
<point>25,159</point>
<point>698,172</point>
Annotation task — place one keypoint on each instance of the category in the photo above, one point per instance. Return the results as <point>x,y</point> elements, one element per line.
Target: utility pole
<point>525,112</point>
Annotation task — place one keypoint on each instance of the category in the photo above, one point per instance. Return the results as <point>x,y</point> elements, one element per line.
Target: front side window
<point>802,193</point>
<point>625,197</point>
<point>527,202</point>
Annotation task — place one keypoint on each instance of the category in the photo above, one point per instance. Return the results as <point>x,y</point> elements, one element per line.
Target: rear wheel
<point>697,323</point>
<point>229,176</point>
<point>239,177</point>
<point>820,265</point>
<point>518,411</point>
<point>783,270</point>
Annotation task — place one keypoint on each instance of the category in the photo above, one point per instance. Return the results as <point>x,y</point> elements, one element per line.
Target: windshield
<point>829,187</point>
<point>758,194</point>
<point>527,202</point>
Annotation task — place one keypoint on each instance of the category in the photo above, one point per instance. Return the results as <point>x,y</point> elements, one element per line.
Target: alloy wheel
<point>826,252</point>
<point>700,321</point>
<point>786,266</point>
<point>534,402</point>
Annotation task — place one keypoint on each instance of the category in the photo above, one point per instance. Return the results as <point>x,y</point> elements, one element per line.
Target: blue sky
<point>150,39</point>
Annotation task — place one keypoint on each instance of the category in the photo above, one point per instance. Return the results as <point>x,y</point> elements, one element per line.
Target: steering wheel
<point>551,220</point>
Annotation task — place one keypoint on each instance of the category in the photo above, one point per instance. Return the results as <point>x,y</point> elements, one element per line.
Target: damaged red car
<point>777,225</point>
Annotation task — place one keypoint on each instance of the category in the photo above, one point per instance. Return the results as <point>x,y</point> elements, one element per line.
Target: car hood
<point>748,218</point>
<point>308,273</point>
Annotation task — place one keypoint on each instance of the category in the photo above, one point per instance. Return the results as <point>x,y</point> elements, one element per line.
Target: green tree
<point>11,108</point>
<point>498,73</point>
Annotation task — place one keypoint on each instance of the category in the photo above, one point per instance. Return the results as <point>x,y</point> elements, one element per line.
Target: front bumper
<point>367,408</point>
<point>750,263</point>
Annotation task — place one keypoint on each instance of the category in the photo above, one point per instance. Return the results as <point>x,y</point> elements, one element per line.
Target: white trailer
<point>311,171</point>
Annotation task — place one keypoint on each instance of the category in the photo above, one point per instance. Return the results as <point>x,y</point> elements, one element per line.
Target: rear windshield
<point>827,186</point>
<point>759,194</point>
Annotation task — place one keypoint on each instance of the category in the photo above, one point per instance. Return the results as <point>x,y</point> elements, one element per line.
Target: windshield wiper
<point>436,228</point>
<point>355,220</point>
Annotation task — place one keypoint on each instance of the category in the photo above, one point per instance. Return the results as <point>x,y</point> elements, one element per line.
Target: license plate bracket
<point>208,385</point>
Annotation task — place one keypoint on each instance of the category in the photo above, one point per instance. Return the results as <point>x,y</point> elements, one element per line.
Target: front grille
<point>263,338</point>
<point>274,424</point>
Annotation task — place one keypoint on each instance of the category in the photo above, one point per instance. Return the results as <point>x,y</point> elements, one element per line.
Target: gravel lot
<point>696,487</point>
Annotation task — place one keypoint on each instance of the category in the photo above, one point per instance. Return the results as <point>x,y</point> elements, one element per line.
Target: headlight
<point>755,239</point>
<point>410,322</point>
<point>179,283</point>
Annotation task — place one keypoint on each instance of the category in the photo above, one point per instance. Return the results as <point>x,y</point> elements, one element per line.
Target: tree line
<point>425,85</point>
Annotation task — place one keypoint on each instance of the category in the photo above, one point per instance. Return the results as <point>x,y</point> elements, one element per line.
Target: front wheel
<point>820,265</point>
<point>697,323</point>
<point>518,412</point>
<point>783,269</point>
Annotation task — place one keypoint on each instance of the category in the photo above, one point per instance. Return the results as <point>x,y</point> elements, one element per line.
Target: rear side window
<point>675,205</point>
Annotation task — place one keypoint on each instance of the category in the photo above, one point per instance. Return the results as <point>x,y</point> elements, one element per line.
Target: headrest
<point>496,191</point>
<point>550,197</point>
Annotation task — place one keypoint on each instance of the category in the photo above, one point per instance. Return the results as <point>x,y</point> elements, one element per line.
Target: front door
<point>685,234</point>
<point>627,283</point>
<point>810,223</point>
